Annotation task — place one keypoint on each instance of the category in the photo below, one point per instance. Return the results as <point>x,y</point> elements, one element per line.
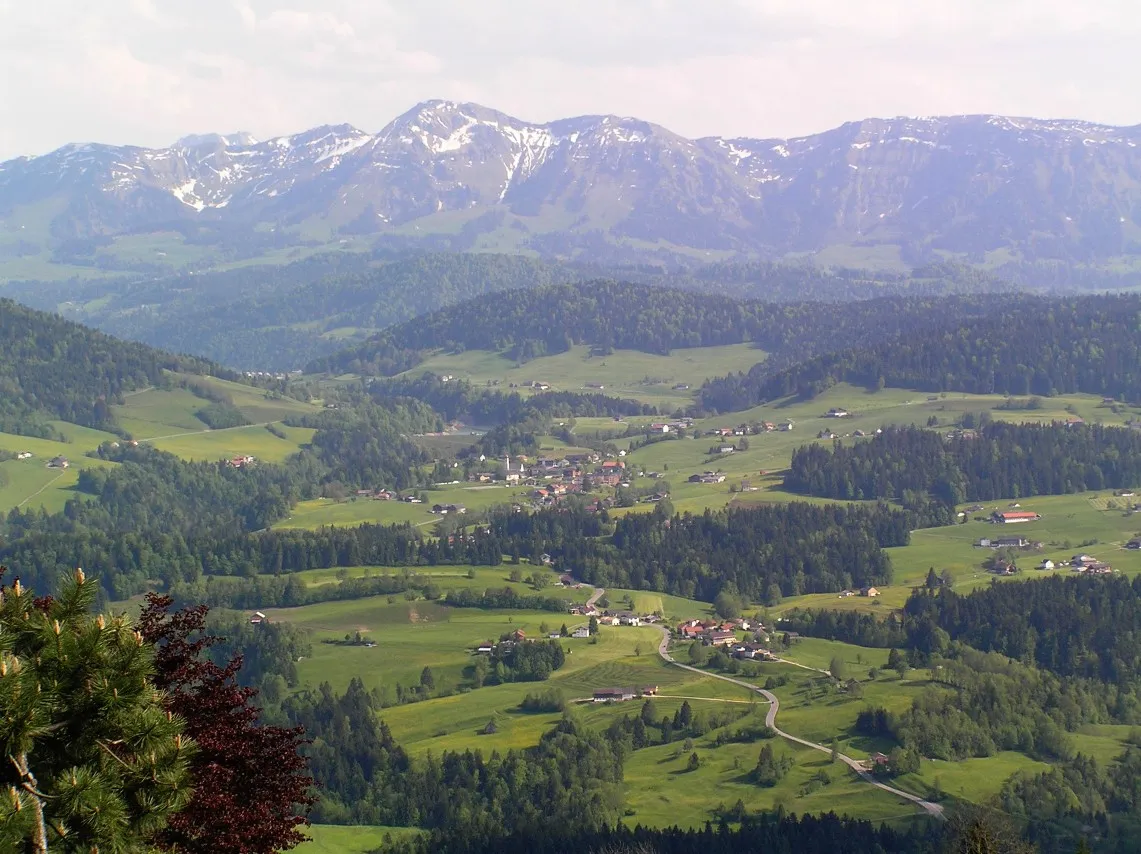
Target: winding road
<point>593,600</point>
<point>931,809</point>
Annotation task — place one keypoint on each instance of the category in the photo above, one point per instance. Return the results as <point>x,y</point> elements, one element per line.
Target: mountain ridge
<point>477,178</point>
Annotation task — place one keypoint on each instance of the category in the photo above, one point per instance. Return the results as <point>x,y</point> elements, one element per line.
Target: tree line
<point>999,460</point>
<point>759,553</point>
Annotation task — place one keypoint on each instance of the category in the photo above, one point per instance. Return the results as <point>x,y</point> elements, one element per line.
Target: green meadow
<point>353,839</point>
<point>624,373</point>
<point>1093,523</point>
<point>31,483</point>
<point>355,511</point>
<point>168,420</point>
<point>758,470</point>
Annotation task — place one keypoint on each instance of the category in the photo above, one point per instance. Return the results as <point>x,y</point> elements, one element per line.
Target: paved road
<point>770,721</point>
<point>594,597</point>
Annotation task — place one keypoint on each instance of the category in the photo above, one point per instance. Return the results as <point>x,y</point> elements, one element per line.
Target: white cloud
<point>147,72</point>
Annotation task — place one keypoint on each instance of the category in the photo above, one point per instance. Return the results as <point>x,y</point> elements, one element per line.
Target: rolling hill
<point>51,368</point>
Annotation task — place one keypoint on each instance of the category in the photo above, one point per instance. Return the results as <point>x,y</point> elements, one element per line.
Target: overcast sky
<point>149,71</point>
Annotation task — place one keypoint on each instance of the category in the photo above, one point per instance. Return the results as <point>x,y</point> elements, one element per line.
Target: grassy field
<point>168,420</point>
<point>31,483</point>
<point>661,793</point>
<point>624,373</point>
<point>163,418</point>
<point>354,511</point>
<point>254,440</point>
<point>768,454</point>
<point>335,839</point>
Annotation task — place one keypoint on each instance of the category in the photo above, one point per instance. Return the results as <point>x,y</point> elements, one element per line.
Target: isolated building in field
<point>614,695</point>
<point>1015,517</point>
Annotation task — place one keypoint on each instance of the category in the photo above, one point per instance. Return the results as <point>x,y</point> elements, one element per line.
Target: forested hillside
<point>276,318</point>
<point>1083,627</point>
<point>1022,345</point>
<point>51,368</point>
<point>1000,460</point>
<point>612,315</point>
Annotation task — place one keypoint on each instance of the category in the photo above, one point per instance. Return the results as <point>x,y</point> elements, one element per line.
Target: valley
<point>361,535</point>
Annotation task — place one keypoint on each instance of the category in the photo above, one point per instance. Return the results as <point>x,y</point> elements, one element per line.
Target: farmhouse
<point>59,463</point>
<point>877,760</point>
<point>485,648</point>
<point>24,455</point>
<point>785,426</point>
<point>837,413</point>
<point>1095,567</point>
<point>719,637</point>
<point>659,428</point>
<point>707,477</point>
<point>1014,517</point>
<point>1133,544</point>
<point>581,632</point>
<point>258,618</point>
<point>445,509</point>
<point>1046,564</point>
<point>1003,567</point>
<point>870,592</point>
<point>1011,543</point>
<point>614,695</point>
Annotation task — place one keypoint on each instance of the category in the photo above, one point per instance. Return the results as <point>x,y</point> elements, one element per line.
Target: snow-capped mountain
<point>474,176</point>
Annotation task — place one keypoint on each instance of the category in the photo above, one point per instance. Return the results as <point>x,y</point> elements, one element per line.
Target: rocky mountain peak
<point>927,186</point>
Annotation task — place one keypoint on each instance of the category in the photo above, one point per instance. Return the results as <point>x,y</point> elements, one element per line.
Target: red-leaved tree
<point>251,786</point>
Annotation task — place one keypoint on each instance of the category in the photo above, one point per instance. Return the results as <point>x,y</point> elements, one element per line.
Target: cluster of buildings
<point>626,618</point>
<point>667,426</point>
<point>1085,563</point>
<point>725,634</point>
<point>752,429</point>
<point>716,632</point>
<point>240,461</point>
<point>555,478</point>
<point>378,494</point>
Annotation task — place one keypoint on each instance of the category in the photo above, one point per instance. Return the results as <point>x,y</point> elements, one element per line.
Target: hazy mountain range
<point>462,177</point>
